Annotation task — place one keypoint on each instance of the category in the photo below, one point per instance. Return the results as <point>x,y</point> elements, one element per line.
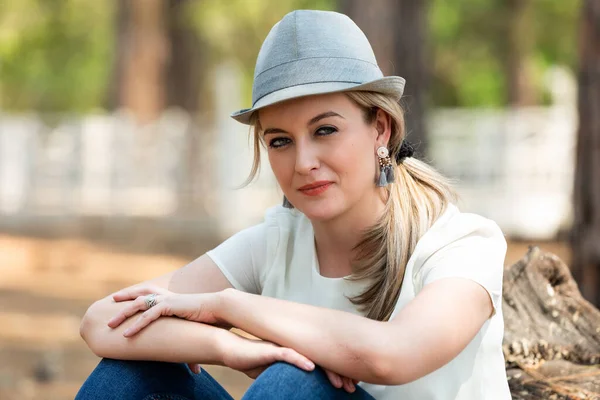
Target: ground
<point>45,288</point>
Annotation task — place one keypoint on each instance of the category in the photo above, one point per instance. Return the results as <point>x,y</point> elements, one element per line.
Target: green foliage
<point>469,47</point>
<point>468,41</point>
<point>55,55</point>
<point>556,31</point>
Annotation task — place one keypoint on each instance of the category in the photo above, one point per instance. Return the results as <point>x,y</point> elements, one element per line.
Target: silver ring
<point>150,300</point>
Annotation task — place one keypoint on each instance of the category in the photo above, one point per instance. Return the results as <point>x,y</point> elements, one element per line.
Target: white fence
<point>515,167</point>
<point>105,165</point>
<point>97,165</point>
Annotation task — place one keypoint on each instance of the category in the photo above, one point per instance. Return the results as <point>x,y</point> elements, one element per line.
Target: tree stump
<point>552,334</point>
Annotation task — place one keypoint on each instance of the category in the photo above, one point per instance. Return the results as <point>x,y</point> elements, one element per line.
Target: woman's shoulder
<point>456,228</point>
<point>454,224</point>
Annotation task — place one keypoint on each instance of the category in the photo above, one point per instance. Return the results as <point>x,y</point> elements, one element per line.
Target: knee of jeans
<point>112,378</point>
<point>123,368</point>
<point>285,370</point>
<point>282,376</point>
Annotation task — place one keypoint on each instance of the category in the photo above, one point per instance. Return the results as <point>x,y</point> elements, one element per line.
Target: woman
<point>367,277</point>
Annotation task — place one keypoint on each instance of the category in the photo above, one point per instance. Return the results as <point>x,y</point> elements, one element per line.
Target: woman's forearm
<point>167,339</point>
<point>347,344</point>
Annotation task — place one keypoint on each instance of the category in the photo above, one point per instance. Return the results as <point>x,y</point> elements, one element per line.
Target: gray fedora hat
<point>315,52</point>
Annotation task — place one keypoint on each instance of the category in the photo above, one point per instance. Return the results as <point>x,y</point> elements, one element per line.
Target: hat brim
<point>390,85</point>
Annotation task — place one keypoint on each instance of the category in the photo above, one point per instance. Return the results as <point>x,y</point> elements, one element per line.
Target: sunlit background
<point>119,162</point>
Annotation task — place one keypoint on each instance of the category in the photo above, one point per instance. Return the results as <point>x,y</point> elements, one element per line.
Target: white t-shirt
<point>278,259</point>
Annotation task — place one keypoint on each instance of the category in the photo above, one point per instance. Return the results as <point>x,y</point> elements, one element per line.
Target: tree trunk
<point>113,98</point>
<point>397,30</point>
<point>184,69</point>
<point>520,41</point>
<point>159,64</point>
<point>586,224</point>
<point>142,54</point>
<point>184,88</point>
<point>410,44</point>
<point>158,59</point>
<point>376,21</point>
<point>552,335</point>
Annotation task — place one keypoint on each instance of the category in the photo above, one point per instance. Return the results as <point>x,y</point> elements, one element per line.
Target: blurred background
<point>119,162</point>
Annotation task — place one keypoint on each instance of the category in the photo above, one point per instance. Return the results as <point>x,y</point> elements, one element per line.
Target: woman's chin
<point>322,210</point>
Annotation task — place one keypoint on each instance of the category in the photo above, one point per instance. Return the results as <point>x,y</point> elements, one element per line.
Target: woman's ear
<point>383,125</point>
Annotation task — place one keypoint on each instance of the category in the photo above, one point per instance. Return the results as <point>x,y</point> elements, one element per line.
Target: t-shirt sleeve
<point>242,257</point>
<point>477,252</point>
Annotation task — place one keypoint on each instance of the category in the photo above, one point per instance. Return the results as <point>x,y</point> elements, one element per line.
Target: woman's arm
<point>178,340</point>
<point>170,338</point>
<point>425,335</point>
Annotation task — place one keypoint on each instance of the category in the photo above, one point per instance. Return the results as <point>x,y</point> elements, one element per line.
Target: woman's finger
<point>334,378</point>
<point>144,320</point>
<point>134,292</point>
<point>348,385</point>
<point>139,304</point>
<point>292,357</point>
<point>340,382</point>
<point>255,372</point>
<point>131,293</point>
<point>195,368</point>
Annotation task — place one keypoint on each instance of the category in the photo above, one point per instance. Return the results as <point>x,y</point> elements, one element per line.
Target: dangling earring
<point>386,168</point>
<point>286,203</point>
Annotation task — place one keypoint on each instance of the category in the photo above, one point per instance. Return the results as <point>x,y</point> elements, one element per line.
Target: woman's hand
<point>131,294</point>
<point>252,357</point>
<point>339,381</point>
<point>193,307</point>
<point>135,291</point>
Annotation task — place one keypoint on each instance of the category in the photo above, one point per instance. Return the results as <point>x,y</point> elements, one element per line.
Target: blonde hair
<point>415,201</point>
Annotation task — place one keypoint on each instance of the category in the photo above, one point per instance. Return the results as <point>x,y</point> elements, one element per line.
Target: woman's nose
<point>307,158</point>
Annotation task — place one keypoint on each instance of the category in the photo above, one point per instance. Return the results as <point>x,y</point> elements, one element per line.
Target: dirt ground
<point>45,288</point>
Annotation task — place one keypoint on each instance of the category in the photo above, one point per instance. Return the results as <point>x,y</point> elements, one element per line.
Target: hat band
<point>313,70</point>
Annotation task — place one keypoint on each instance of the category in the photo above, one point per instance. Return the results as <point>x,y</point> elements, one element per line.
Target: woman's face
<point>323,153</point>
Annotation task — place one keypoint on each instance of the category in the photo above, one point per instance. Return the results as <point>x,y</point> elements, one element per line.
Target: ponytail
<point>415,201</point>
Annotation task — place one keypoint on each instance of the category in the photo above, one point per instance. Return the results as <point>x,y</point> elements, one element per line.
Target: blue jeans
<point>150,380</point>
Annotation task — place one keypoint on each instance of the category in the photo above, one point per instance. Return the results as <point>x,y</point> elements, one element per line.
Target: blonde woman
<point>367,283</point>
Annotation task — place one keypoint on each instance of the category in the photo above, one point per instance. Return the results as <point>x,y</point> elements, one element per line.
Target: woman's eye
<point>278,142</point>
<point>326,130</point>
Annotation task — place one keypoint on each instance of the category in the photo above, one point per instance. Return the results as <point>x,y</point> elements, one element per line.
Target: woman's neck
<point>336,239</point>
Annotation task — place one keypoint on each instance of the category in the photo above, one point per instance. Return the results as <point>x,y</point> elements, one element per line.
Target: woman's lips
<point>315,189</point>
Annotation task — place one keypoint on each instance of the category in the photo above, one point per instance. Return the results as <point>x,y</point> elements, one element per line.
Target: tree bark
<point>142,51</point>
<point>376,21</point>
<point>521,89</point>
<point>159,64</point>
<point>185,64</point>
<point>158,59</point>
<point>184,86</point>
<point>586,224</point>
<point>552,335</point>
<point>410,44</point>
<point>397,30</point>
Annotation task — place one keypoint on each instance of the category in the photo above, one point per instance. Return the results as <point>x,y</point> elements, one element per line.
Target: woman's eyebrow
<point>273,130</point>
<point>313,120</point>
<point>327,114</point>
